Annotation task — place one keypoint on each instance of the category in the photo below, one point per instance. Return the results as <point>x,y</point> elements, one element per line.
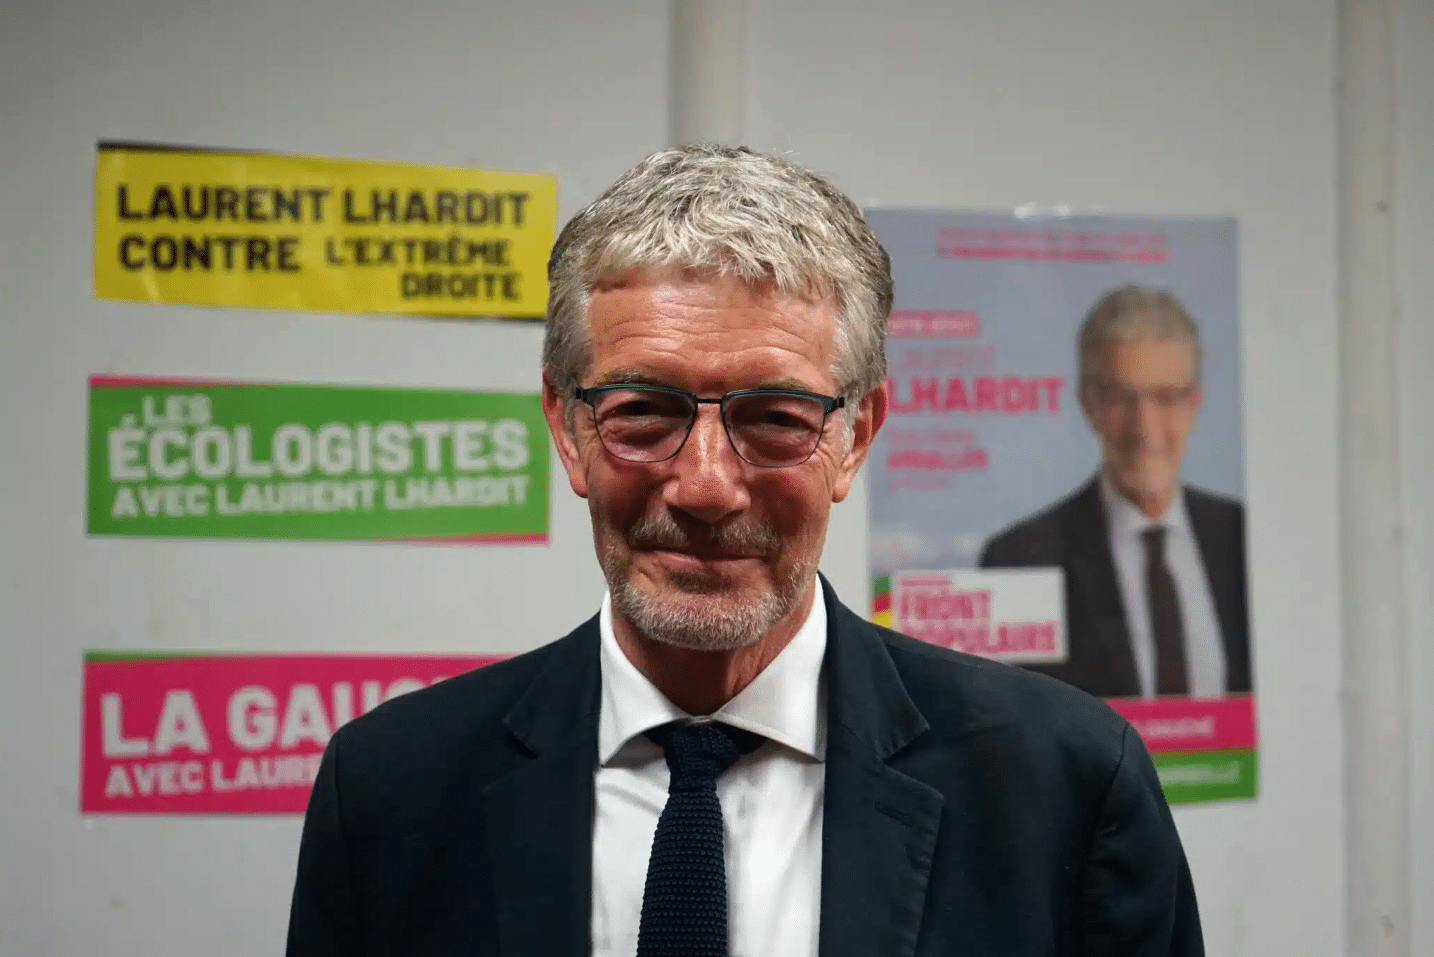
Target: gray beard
<point>738,621</point>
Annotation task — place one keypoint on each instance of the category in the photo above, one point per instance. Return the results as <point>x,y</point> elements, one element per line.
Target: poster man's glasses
<point>1166,398</point>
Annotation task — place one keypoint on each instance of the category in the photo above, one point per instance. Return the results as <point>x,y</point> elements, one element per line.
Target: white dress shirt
<point>1204,647</point>
<point>771,798</point>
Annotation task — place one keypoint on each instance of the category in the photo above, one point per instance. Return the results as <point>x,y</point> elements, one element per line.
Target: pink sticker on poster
<point>1191,724</point>
<point>228,734</point>
<point>933,324</point>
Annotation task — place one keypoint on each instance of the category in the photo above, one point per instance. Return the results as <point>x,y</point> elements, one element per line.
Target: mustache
<point>664,530</point>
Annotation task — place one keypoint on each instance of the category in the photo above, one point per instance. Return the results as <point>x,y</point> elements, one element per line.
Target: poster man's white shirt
<point>1204,645</point>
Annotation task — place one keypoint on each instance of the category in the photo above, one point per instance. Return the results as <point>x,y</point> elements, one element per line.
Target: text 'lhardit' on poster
<point>174,457</point>
<point>274,231</point>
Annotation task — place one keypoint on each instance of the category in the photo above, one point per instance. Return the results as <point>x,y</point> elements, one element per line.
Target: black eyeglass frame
<point>829,404</point>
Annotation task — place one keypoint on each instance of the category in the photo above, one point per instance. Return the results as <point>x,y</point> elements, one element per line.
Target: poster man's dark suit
<point>971,808</point>
<point>1074,535</point>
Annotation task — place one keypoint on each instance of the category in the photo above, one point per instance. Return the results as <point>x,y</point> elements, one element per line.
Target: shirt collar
<point>786,702</point>
<point>1125,519</point>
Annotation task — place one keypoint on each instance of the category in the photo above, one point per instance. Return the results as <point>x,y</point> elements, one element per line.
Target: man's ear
<point>871,413</point>
<point>555,411</point>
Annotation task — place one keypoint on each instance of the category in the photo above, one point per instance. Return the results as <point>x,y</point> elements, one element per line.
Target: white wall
<point>1414,224</point>
<point>1203,108</point>
<point>573,88</point>
<point>1194,107</point>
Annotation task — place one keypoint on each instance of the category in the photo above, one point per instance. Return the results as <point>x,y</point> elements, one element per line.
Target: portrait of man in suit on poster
<point>1154,567</point>
<point>724,758</point>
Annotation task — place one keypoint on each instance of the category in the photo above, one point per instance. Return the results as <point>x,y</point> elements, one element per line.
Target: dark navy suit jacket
<point>972,809</point>
<point>1074,535</point>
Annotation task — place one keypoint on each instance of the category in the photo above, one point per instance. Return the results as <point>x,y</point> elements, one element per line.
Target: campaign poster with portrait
<point>1060,480</point>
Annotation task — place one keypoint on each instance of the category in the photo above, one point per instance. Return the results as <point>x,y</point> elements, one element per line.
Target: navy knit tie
<point>684,903</point>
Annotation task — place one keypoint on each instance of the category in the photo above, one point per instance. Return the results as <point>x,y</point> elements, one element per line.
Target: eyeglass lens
<point>769,429</point>
<point>1164,398</point>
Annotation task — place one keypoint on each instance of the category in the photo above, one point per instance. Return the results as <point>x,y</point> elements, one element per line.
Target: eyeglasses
<point>1164,398</point>
<point>771,428</point>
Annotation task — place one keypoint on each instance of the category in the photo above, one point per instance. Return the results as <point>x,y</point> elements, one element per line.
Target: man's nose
<point>1147,423</point>
<point>709,478</point>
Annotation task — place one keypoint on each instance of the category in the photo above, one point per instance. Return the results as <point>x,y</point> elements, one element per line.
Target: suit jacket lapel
<point>879,828</point>
<point>538,819</point>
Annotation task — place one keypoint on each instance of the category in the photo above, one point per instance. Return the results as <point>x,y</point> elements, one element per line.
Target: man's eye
<point>631,406</point>
<point>634,409</point>
<point>784,413</point>
<point>784,419</point>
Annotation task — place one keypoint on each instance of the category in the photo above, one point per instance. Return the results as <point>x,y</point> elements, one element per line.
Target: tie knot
<point>1154,538</point>
<point>698,753</point>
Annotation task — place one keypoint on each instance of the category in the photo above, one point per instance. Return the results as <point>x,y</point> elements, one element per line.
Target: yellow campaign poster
<point>274,231</point>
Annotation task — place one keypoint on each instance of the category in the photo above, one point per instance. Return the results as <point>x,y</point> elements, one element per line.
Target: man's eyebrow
<point>626,377</point>
<point>784,382</point>
<point>638,377</point>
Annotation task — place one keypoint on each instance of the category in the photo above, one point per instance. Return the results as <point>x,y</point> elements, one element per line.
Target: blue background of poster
<point>1030,311</point>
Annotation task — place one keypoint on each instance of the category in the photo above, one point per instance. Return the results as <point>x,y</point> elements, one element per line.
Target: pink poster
<point>228,734</point>
<point>1191,724</point>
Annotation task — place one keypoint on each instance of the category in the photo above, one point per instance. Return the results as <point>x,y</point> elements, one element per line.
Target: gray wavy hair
<point>1131,312</point>
<point>742,213</point>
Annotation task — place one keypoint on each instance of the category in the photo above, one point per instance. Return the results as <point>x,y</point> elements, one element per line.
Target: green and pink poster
<point>261,460</point>
<point>187,733</point>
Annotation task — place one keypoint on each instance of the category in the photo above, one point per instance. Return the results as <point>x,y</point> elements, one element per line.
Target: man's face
<point>705,550</point>
<point>1142,404</point>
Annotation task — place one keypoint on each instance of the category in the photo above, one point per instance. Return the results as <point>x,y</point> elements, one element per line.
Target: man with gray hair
<point>1154,569</point>
<point>725,759</point>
